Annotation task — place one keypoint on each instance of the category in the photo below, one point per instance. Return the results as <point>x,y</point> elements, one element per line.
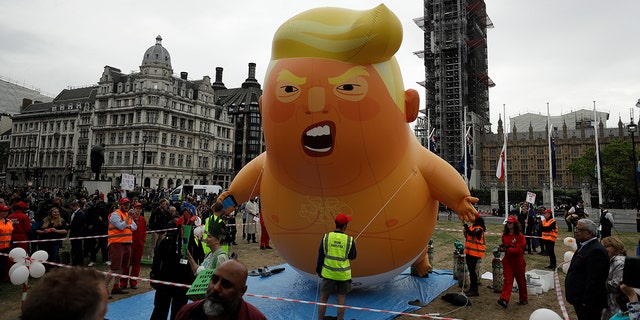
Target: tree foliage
<point>618,170</point>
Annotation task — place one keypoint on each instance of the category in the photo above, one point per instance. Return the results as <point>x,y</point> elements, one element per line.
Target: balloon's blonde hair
<point>359,37</point>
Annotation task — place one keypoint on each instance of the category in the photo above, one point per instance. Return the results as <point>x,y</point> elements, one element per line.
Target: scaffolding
<point>456,74</point>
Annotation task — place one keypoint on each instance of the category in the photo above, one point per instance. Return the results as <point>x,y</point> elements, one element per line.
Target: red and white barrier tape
<point>109,273</point>
<point>104,235</point>
<point>556,280</point>
<point>349,307</point>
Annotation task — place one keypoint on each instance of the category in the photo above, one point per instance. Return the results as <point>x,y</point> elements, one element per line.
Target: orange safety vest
<point>473,246</point>
<point>115,235</point>
<point>550,235</point>
<point>6,229</point>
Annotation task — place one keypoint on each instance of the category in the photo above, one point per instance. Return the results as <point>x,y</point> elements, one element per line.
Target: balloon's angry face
<point>327,110</point>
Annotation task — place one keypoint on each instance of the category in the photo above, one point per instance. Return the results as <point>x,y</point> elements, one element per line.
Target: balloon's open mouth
<point>317,140</point>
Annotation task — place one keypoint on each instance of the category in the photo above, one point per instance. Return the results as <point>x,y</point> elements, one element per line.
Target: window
<point>128,138</point>
<point>180,160</point>
<point>172,159</point>
<point>181,144</point>
<point>173,139</point>
<point>162,158</point>
<point>164,138</point>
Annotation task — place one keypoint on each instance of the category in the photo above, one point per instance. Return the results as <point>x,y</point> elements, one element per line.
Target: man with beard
<point>224,296</point>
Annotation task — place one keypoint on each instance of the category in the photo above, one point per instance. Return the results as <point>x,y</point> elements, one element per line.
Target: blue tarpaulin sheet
<point>393,295</point>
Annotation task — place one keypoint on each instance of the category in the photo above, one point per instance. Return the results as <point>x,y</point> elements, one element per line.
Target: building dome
<point>157,55</point>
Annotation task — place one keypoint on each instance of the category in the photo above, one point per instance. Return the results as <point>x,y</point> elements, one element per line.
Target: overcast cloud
<point>567,53</point>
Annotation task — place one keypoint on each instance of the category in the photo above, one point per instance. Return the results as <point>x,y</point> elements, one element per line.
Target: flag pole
<point>506,175</point>
<point>595,127</point>
<point>551,164</point>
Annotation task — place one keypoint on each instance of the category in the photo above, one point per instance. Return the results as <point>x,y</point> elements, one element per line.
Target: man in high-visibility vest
<point>549,230</point>
<point>334,266</point>
<point>6,229</point>
<point>119,238</point>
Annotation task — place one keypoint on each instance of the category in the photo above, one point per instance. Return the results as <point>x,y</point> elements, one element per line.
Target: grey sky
<point>567,52</point>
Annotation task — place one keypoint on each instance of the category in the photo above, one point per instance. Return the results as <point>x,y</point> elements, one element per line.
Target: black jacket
<point>166,262</point>
<point>586,277</point>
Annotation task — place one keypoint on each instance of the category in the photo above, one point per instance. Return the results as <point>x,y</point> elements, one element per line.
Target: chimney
<point>183,75</point>
<point>251,80</point>
<point>218,84</point>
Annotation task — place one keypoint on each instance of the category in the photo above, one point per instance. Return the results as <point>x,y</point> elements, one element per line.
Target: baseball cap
<point>137,205</point>
<point>342,219</point>
<point>124,200</point>
<point>548,211</point>
<point>3,207</point>
<point>22,205</point>
<point>512,219</point>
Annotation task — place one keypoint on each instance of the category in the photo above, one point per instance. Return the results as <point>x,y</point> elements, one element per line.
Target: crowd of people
<point>594,282</point>
<point>115,225</point>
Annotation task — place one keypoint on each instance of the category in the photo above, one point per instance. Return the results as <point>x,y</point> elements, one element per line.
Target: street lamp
<point>144,159</point>
<point>633,128</point>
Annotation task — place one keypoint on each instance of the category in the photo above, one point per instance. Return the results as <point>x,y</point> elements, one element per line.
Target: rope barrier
<point>104,235</point>
<point>556,280</point>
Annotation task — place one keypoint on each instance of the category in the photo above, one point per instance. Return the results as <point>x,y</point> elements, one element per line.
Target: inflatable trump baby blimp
<point>335,117</point>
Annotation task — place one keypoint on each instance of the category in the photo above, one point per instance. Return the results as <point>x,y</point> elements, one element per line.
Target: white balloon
<point>544,314</point>
<point>40,255</point>
<point>565,267</point>
<point>567,256</point>
<point>14,266</point>
<point>37,270</point>
<point>198,222</point>
<point>568,240</point>
<point>198,231</point>
<point>19,275</point>
<point>17,254</point>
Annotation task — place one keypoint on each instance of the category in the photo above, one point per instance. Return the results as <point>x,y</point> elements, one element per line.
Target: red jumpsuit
<point>137,248</point>
<point>264,237</point>
<point>21,229</point>
<point>514,266</point>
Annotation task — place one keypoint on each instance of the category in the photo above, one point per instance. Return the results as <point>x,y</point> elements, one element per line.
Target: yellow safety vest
<point>336,265</point>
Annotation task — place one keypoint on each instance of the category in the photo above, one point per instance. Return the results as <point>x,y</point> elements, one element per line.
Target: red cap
<point>512,219</point>
<point>22,205</point>
<point>137,205</point>
<point>548,211</point>
<point>123,201</point>
<point>3,207</point>
<point>342,219</point>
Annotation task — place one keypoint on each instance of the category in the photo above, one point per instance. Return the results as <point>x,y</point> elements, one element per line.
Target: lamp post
<point>144,159</point>
<point>633,128</point>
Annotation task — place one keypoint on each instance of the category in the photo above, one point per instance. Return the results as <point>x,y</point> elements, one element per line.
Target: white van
<point>181,192</point>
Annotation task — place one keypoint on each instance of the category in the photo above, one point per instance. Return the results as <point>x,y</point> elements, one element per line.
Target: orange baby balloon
<point>335,120</point>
